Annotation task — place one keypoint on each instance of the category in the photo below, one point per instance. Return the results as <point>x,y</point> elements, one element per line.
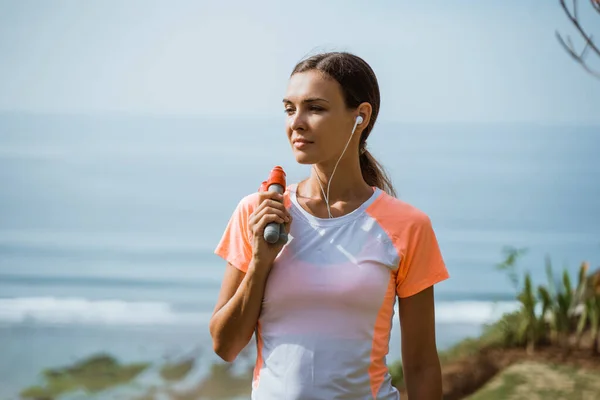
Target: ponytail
<point>374,174</point>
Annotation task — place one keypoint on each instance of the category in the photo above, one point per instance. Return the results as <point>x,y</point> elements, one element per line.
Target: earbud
<point>359,120</point>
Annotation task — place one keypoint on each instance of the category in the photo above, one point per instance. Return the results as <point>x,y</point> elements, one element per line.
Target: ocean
<point>108,224</point>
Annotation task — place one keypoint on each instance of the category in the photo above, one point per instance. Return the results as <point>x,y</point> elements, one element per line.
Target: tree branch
<point>580,58</point>
<point>589,43</point>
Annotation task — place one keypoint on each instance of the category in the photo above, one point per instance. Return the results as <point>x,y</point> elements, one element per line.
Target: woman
<point>322,304</point>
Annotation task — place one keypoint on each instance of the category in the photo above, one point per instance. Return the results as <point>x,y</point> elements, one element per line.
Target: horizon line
<point>265,117</point>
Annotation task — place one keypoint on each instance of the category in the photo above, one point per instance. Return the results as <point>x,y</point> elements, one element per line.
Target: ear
<point>365,110</point>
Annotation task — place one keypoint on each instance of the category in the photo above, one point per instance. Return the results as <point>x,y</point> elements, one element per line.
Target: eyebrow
<point>309,100</point>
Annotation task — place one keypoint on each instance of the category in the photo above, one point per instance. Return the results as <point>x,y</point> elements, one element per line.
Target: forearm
<point>424,382</point>
<point>233,325</point>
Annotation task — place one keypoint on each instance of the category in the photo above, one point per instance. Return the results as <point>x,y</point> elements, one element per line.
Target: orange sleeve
<point>235,246</point>
<point>422,264</point>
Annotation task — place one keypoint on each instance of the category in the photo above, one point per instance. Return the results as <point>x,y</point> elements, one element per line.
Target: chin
<point>305,158</point>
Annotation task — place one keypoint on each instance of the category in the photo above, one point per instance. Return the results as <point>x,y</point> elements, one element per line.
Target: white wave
<point>473,312</point>
<point>63,311</point>
<point>80,311</point>
<point>115,241</point>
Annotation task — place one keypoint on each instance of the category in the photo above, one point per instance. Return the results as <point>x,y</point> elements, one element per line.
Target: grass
<point>496,335</point>
<point>176,371</point>
<point>533,381</point>
<point>91,375</point>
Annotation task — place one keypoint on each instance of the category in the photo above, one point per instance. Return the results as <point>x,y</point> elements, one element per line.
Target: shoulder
<point>397,216</point>
<point>247,202</point>
<point>250,201</point>
<point>245,206</point>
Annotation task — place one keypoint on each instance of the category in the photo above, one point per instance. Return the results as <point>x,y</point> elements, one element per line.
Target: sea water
<point>108,224</point>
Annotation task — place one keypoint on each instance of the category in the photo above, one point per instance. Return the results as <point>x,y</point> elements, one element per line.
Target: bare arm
<point>420,360</point>
<point>237,310</point>
<point>238,307</point>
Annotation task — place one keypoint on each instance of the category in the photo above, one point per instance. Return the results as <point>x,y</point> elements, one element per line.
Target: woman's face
<point>318,124</point>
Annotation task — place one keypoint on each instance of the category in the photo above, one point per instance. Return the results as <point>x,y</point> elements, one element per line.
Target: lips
<point>301,143</point>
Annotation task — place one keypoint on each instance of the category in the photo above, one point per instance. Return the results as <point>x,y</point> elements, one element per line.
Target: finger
<point>266,219</point>
<point>267,209</point>
<point>260,210</point>
<point>270,196</point>
<point>253,219</point>
<point>288,224</point>
<point>271,203</point>
<point>280,207</point>
<point>288,215</point>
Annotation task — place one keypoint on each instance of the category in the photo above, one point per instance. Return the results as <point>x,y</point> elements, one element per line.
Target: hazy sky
<point>437,61</point>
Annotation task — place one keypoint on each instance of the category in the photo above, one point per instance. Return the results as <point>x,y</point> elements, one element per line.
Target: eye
<point>316,108</point>
<point>288,111</point>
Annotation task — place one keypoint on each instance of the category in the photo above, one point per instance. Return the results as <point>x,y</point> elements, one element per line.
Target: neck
<point>346,185</point>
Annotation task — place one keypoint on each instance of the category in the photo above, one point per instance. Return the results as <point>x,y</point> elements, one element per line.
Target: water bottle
<point>275,232</point>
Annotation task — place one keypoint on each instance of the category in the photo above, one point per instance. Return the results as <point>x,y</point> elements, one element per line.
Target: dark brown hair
<point>358,84</point>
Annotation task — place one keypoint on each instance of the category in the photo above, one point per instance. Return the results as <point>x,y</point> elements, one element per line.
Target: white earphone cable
<point>326,196</point>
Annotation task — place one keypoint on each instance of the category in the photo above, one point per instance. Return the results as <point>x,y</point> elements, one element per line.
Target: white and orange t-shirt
<point>328,306</point>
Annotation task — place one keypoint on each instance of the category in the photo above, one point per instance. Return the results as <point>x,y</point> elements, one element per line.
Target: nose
<point>297,121</point>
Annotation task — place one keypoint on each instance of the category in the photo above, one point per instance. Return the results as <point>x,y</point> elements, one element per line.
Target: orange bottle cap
<point>277,176</point>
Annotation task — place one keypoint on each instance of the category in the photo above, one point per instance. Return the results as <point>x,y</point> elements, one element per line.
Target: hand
<point>270,209</point>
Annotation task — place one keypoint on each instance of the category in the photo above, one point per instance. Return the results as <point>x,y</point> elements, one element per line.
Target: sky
<point>436,61</point>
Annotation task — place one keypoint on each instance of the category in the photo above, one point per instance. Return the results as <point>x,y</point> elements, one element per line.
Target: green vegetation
<point>176,371</point>
<point>556,315</point>
<point>567,311</point>
<point>500,334</point>
<point>532,380</point>
<point>92,375</point>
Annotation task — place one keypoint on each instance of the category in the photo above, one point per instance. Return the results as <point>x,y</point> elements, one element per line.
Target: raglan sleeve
<point>235,245</point>
<point>422,264</point>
